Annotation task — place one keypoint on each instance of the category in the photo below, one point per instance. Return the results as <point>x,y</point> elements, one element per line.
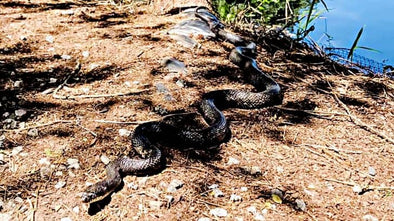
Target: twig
<point>72,97</point>
<point>38,126</point>
<point>311,112</point>
<point>76,70</point>
<point>365,188</point>
<point>119,122</point>
<point>332,148</point>
<point>356,120</point>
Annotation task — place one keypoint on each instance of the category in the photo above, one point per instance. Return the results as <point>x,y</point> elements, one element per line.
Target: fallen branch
<point>73,97</point>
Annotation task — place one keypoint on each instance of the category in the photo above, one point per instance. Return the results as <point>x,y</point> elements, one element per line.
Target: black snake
<point>147,135</point>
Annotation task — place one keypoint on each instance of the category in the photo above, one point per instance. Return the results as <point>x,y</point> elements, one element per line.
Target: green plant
<point>355,45</point>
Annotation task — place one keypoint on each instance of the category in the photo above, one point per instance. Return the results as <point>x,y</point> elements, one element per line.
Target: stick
<point>76,70</point>
<point>366,188</point>
<point>73,97</point>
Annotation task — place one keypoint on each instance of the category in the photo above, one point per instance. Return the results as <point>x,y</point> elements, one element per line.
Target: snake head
<point>88,197</point>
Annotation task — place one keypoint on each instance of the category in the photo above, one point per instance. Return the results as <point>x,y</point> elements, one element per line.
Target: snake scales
<point>147,135</point>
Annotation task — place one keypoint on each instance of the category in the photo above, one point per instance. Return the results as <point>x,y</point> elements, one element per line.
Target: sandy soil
<point>330,145</point>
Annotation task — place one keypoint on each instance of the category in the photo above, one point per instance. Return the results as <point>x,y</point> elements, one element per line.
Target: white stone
<point>235,198</point>
<point>73,163</point>
<point>204,219</point>
<point>76,209</point>
<point>66,57</point>
<point>132,186</point>
<point>16,150</point>
<point>33,132</point>
<point>18,84</point>
<point>252,209</point>
<point>232,161</point>
<point>244,189</point>
<point>369,217</point>
<point>219,212</point>
<point>66,219</point>
<point>124,132</point>
<point>357,189</point>
<point>52,80</point>
<point>213,186</point>
<point>60,184</point>
<point>49,38</point>
<point>85,54</point>
<point>371,171</point>
<point>20,112</point>
<point>259,217</point>
<point>44,161</point>
<point>104,159</point>
<point>217,193</point>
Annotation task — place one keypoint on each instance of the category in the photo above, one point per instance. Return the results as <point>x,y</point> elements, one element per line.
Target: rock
<point>232,161</point>
<point>18,84</point>
<point>76,209</point>
<point>235,198</point>
<point>357,189</point>
<point>217,193</point>
<point>371,171</point>
<point>173,65</point>
<point>180,83</point>
<point>170,199</point>
<point>85,54</point>
<point>219,212</point>
<point>49,38</point>
<point>259,217</point>
<point>52,80</point>
<point>161,88</point>
<point>174,185</point>
<point>45,172</point>
<point>20,113</point>
<point>104,159</point>
<point>277,192</point>
<point>369,217</point>
<point>33,132</point>
<point>66,57</point>
<point>16,150</point>
<point>252,209</point>
<point>244,189</point>
<point>6,114</point>
<point>300,205</point>
<point>255,170</point>
<point>60,184</point>
<point>124,132</point>
<point>73,163</point>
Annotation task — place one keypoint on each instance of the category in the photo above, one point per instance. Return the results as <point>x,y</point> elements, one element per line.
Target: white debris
<point>104,159</point>
<point>48,91</point>
<point>232,161</point>
<point>155,204</point>
<point>20,112</point>
<point>204,219</point>
<point>76,209</point>
<point>52,80</point>
<point>49,38</point>
<point>18,84</point>
<point>371,171</point>
<point>66,219</point>
<point>213,186</point>
<point>132,186</point>
<point>219,212</point>
<point>252,209</point>
<point>124,132</point>
<point>255,170</point>
<point>85,54</point>
<point>73,163</point>
<point>357,189</point>
<point>5,217</point>
<point>33,132</point>
<point>369,217</point>
<point>174,185</point>
<point>235,198</point>
<point>66,57</point>
<point>217,193</point>
<point>300,204</point>
<point>60,184</point>
<point>244,189</point>
<point>85,90</point>
<point>44,161</point>
<point>259,217</point>
<point>16,150</point>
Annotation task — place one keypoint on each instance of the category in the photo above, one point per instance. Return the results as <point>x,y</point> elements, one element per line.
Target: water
<point>346,17</point>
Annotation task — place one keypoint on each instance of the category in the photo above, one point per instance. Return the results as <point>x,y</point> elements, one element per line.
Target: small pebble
<point>357,189</point>
<point>16,150</point>
<point>45,172</point>
<point>252,209</point>
<point>85,54</point>
<point>20,112</point>
<point>170,199</point>
<point>244,189</point>
<point>66,219</point>
<point>60,184</point>
<point>33,132</point>
<point>259,217</point>
<point>104,159</point>
<point>219,212</point>
<point>217,193</point>
<point>255,170</point>
<point>155,204</point>
<point>235,198</point>
<point>18,84</point>
<point>204,219</point>
<point>52,80</point>
<point>73,163</point>
<point>300,204</point>
<point>213,186</point>
<point>371,171</point>
<point>180,83</point>
<point>369,217</point>
<point>66,57</point>
<point>124,132</point>
<point>44,161</point>
<point>76,209</point>
<point>67,12</point>
<point>49,38</point>
<point>174,185</point>
<point>161,88</point>
<point>232,161</point>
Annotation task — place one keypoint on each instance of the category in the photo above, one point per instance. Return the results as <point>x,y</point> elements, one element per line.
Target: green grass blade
<point>351,51</point>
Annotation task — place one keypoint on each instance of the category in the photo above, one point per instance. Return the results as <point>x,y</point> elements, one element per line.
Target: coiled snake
<point>146,136</point>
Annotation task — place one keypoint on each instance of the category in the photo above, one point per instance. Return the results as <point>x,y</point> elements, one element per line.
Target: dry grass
<point>313,147</point>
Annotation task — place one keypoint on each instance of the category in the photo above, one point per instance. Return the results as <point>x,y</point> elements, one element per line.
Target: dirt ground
<point>328,146</point>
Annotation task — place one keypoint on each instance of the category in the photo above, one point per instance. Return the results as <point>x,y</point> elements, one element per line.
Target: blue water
<point>346,17</point>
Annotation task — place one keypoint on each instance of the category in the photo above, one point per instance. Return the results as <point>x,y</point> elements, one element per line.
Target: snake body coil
<point>167,131</point>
